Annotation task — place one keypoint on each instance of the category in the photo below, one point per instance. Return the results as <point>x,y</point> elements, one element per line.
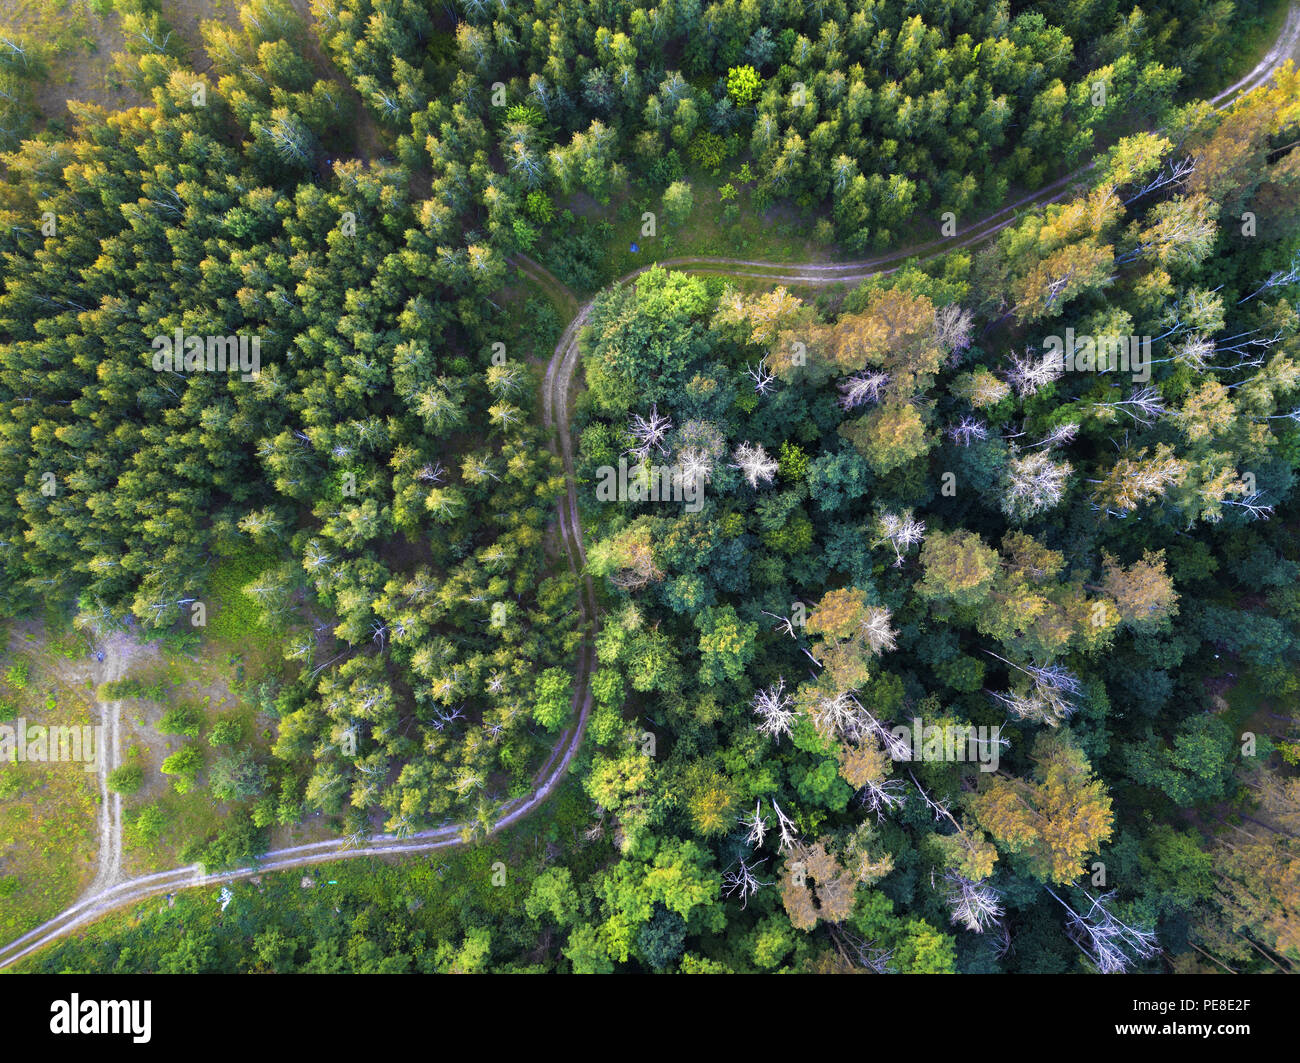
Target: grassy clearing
<point>75,41</point>
<point>47,811</point>
<point>590,243</point>
<point>234,615</point>
<point>733,227</point>
<point>213,685</point>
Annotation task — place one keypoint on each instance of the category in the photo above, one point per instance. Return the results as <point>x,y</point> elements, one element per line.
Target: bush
<point>185,764</point>
<point>226,733</point>
<point>679,201</point>
<point>707,151</point>
<point>127,779</point>
<point>181,720</point>
<point>147,825</point>
<point>743,85</point>
<point>578,257</point>
<point>541,326</point>
<point>666,168</point>
<point>236,843</point>
<point>116,689</point>
<point>236,777</point>
<point>18,675</point>
<point>538,206</point>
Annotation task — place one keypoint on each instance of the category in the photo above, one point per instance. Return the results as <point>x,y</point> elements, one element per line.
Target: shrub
<point>185,764</point>
<point>226,733</point>
<point>181,720</point>
<point>127,779</point>
<point>743,85</point>
<point>679,201</point>
<point>147,825</point>
<point>707,151</point>
<point>539,207</point>
<point>236,777</point>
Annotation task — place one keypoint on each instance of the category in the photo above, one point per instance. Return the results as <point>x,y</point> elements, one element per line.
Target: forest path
<point>557,391</point>
<point>117,651</point>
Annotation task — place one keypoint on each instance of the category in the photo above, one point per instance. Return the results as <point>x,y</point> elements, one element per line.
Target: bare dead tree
<point>1051,698</point>
<point>900,531</point>
<point>741,882</point>
<point>753,461</point>
<point>1172,172</point>
<point>1028,374</point>
<point>1034,483</point>
<point>973,905</point>
<point>968,429</point>
<point>1060,435</point>
<point>833,713</point>
<point>763,379</point>
<point>649,433</point>
<point>694,467</point>
<point>940,810</point>
<point>862,388</point>
<point>879,798</point>
<point>1276,279</point>
<point>1112,945</point>
<point>1251,503</point>
<point>757,824</point>
<point>775,710</point>
<point>875,626</point>
<point>789,837</point>
<point>1145,405</point>
<point>855,951</point>
<point>952,328</point>
<point>783,623</point>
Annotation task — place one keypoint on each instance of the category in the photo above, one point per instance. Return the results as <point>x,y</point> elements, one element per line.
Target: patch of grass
<point>235,615</point>
<point>47,813</point>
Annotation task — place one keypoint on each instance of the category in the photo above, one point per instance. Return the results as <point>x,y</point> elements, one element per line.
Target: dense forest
<point>947,620</point>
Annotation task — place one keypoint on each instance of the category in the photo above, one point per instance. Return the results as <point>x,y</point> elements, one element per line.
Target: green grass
<point>778,234</point>
<point>47,811</point>
<point>232,614</point>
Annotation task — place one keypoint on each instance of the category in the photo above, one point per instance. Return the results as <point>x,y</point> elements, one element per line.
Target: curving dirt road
<point>107,894</point>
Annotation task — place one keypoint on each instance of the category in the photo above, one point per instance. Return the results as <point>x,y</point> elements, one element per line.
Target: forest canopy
<point>942,616</point>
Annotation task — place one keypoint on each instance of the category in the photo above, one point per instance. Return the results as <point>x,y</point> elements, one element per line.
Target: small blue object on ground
<point>635,249</point>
